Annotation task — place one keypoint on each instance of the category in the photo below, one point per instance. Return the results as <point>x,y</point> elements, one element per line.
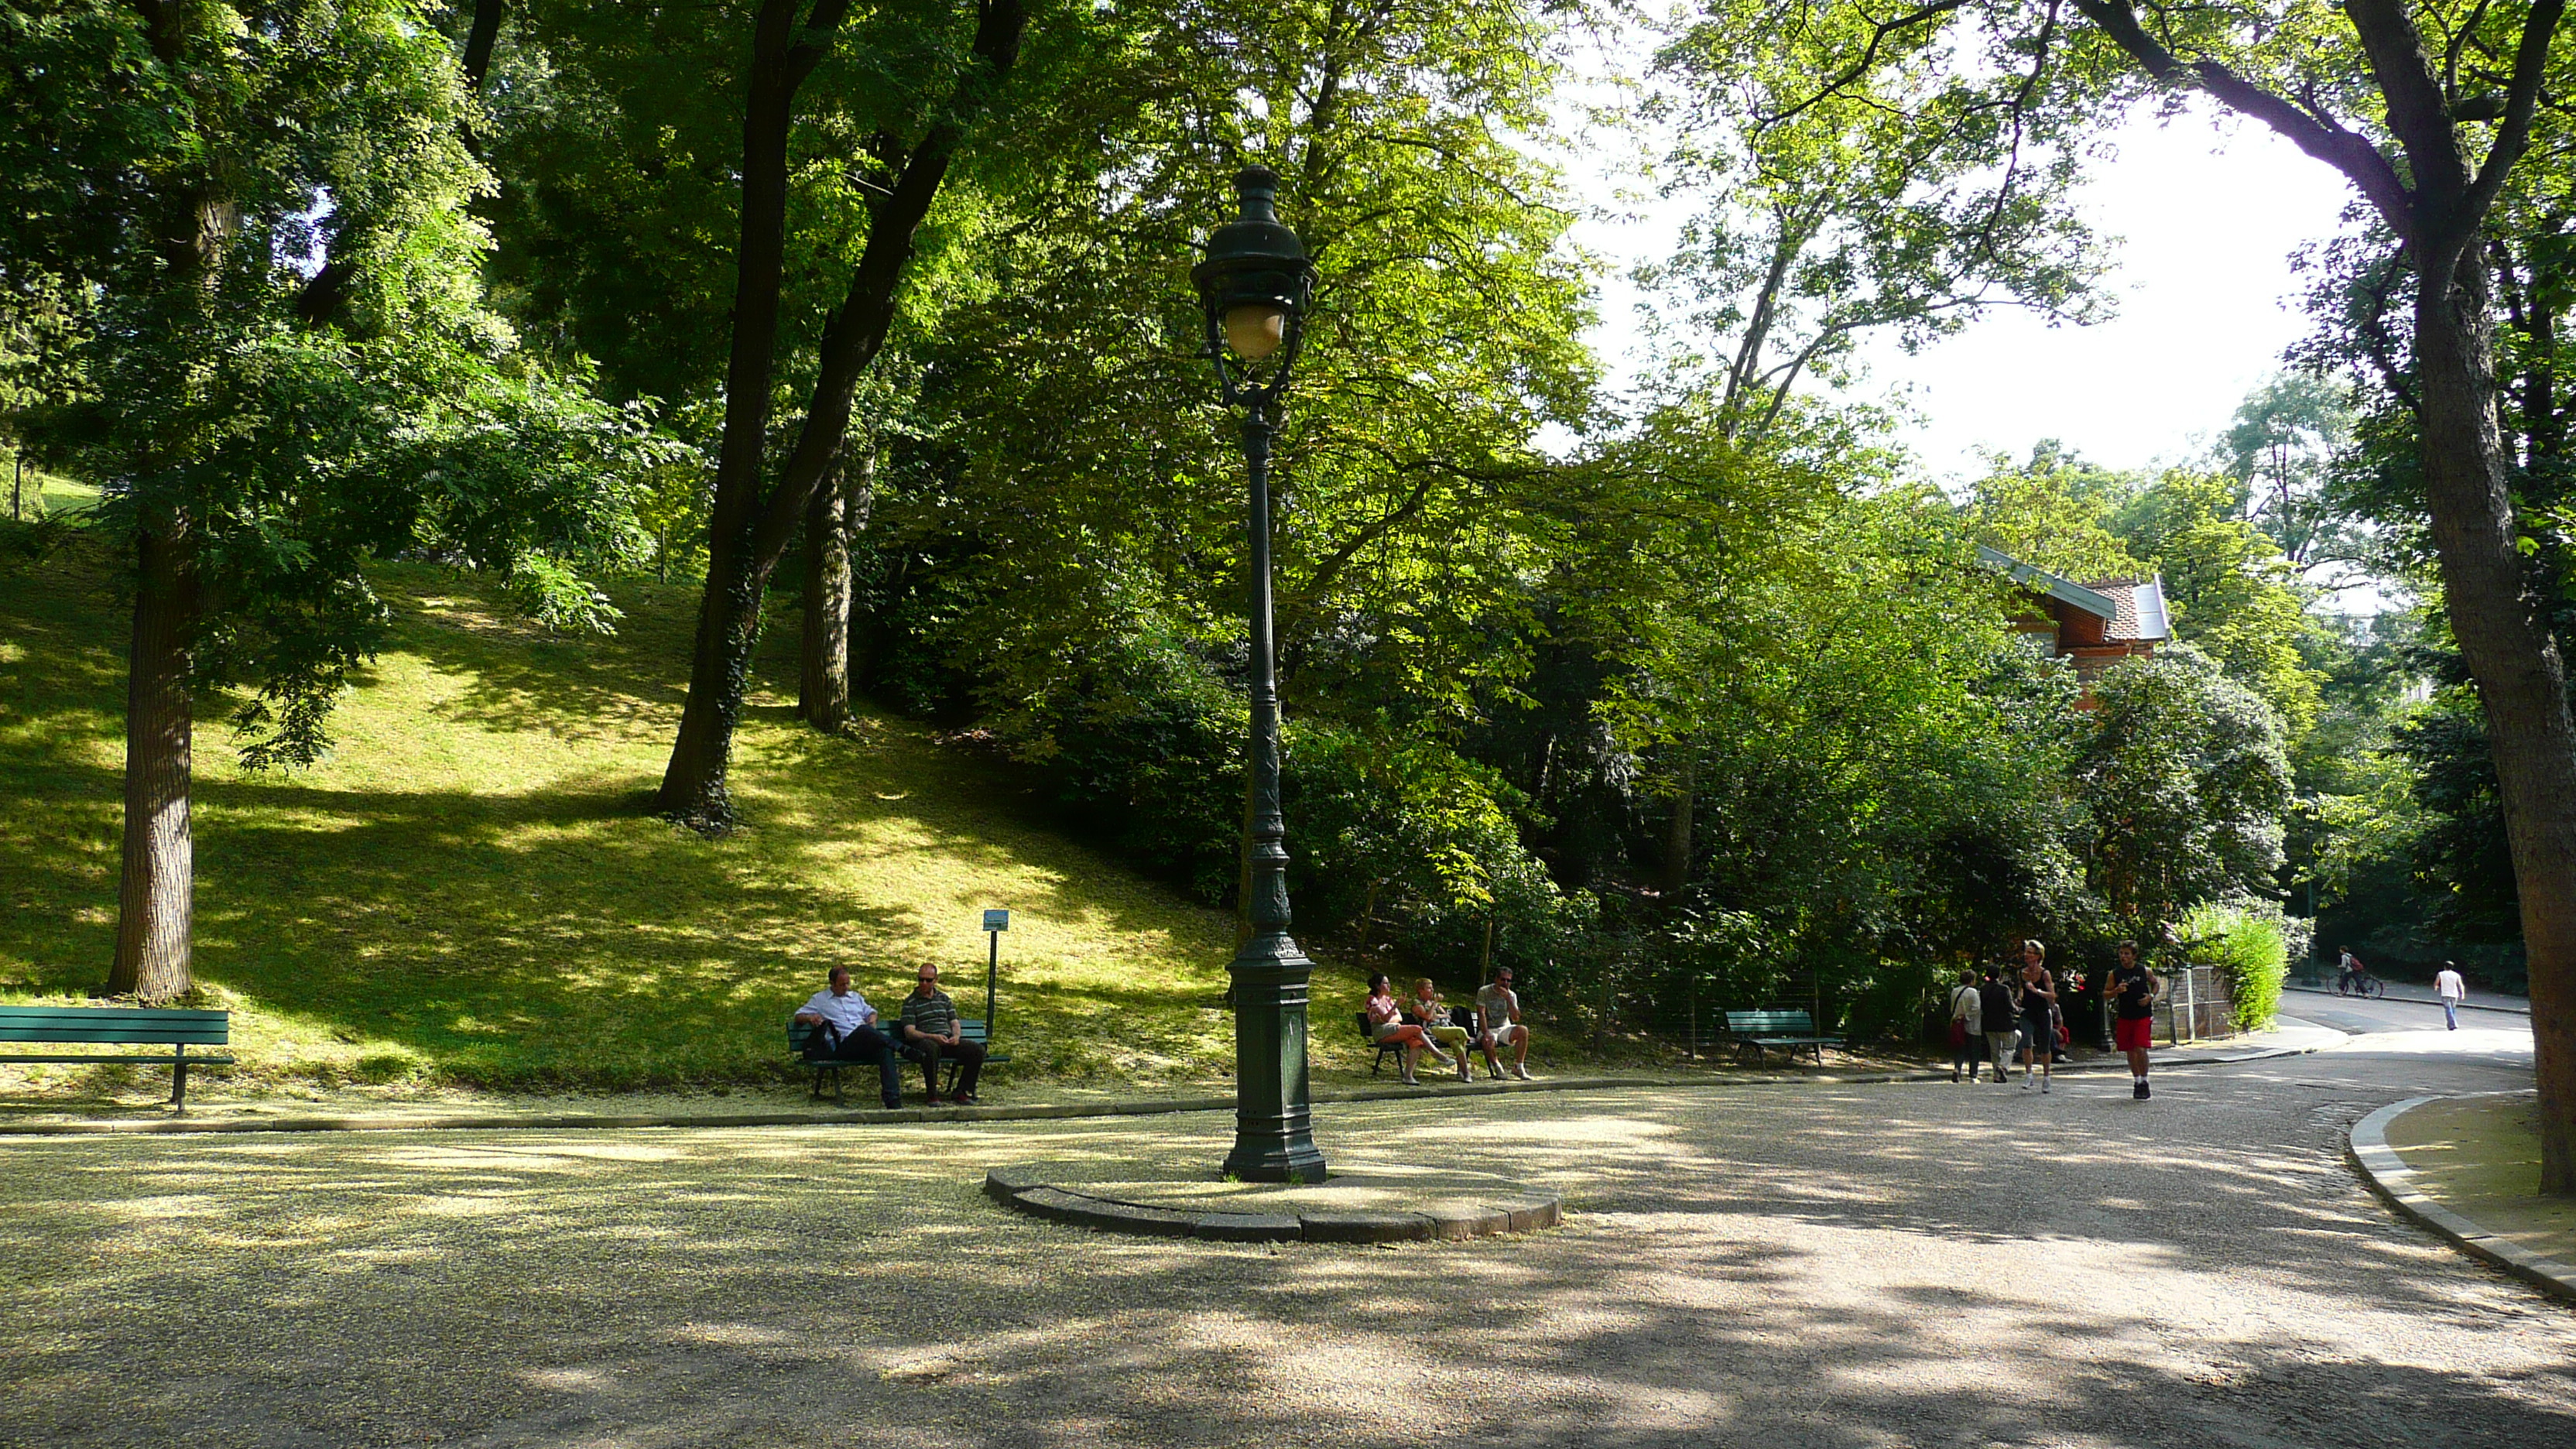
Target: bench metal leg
<point>179,1076</point>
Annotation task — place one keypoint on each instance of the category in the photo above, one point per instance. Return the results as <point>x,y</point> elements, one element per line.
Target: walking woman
<point>2038,1014</point>
<point>1387,1024</point>
<point>1967,1029</point>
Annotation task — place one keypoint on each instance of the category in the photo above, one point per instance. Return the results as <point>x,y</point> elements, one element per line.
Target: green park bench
<point>121,1026</point>
<point>801,1033</point>
<point>1757,1032</point>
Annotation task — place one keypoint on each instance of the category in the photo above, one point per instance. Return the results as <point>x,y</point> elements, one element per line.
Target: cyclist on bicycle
<point>2352,973</point>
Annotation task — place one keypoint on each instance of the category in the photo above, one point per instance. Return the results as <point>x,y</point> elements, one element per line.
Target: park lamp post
<point>1253,291</point>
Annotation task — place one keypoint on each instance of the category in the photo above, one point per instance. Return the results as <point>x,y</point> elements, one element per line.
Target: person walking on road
<point>1967,1029</point>
<point>2038,1015</point>
<point>2000,1008</point>
<point>2349,972</point>
<point>2448,986</point>
<point>2133,1030</point>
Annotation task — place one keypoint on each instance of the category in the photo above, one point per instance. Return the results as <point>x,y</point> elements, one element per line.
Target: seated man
<point>849,1033</point>
<point>1499,1024</point>
<point>931,1028</point>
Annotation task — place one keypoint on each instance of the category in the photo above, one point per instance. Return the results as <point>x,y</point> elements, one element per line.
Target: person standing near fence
<point>2448,986</point>
<point>1967,1027</point>
<point>2000,1008</point>
<point>2133,1030</point>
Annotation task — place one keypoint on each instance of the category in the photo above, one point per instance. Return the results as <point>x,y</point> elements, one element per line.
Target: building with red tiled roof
<point>2096,624</point>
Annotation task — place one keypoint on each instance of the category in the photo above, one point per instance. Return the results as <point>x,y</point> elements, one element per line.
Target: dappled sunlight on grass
<point>469,887</point>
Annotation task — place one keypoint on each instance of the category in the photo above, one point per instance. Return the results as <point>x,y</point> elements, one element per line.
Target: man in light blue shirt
<point>850,1033</point>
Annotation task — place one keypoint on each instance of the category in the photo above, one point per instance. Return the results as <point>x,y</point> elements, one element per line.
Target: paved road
<point>1842,1267</point>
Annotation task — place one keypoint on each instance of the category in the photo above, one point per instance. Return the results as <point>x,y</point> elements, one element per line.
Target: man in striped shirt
<point>931,1027</point>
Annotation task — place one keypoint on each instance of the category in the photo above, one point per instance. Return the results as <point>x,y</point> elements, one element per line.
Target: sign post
<point>995,923</point>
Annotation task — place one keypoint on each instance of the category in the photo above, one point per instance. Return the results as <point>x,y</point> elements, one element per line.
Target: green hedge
<point>2249,946</point>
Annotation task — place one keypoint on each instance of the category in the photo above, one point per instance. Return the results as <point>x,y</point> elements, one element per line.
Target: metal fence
<point>2197,1008</point>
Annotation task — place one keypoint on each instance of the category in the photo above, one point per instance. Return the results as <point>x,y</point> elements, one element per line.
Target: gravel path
<point>1858,1266</point>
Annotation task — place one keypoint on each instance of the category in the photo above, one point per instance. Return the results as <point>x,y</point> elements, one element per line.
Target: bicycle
<point>2361,984</point>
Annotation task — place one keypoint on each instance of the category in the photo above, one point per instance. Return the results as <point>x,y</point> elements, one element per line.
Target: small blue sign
<point>997,920</point>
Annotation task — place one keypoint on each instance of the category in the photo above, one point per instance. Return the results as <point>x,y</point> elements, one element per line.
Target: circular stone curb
<point>1027,1187</point>
<point>2390,1177</point>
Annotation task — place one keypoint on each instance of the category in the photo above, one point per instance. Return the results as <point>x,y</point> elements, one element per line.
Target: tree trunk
<point>1677,834</point>
<point>156,892</point>
<point>752,526</point>
<point>694,788</point>
<point>2522,682</point>
<point>823,686</point>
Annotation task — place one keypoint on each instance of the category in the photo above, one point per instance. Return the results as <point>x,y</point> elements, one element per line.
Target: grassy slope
<point>470,889</point>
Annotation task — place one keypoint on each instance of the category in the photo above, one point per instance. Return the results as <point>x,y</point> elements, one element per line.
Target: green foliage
<point>2185,778</point>
<point>2230,590</point>
<point>288,453</point>
<point>1909,198</point>
<point>2249,944</point>
<point>2055,512</point>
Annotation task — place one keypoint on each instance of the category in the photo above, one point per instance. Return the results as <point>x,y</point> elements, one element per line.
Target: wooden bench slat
<point>120,1013</point>
<point>172,1026</point>
<point>96,1057</point>
<point>118,1035</point>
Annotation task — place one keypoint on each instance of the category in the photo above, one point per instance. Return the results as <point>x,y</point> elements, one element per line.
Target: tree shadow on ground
<point>1726,1277</point>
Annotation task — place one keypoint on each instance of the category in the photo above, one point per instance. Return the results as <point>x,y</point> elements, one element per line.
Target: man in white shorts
<point>1498,1014</point>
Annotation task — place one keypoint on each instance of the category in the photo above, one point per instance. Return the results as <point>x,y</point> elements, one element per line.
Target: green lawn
<point>470,890</point>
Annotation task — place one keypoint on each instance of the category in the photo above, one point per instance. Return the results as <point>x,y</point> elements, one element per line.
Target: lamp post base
<point>1274,1127</point>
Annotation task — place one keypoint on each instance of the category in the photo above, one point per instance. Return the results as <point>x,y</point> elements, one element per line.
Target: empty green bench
<point>172,1027</point>
<point>799,1033</point>
<point>1756,1032</point>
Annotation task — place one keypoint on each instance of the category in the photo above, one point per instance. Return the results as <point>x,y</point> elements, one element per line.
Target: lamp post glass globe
<point>1255,331</point>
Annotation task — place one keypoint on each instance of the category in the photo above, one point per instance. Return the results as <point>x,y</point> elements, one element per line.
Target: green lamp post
<point>1254,288</point>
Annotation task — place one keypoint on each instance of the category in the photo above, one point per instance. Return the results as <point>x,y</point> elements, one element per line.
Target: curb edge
<point>2366,1148</point>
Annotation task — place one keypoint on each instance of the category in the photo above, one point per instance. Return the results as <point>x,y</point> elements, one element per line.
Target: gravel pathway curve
<point>1894,1265</point>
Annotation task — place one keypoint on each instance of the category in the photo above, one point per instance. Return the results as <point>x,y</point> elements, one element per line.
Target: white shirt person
<point>850,1033</point>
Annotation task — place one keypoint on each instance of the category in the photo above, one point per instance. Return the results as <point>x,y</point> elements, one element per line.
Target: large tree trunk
<point>823,688</point>
<point>694,784</point>
<point>156,893</point>
<point>2522,682</point>
<point>752,527</point>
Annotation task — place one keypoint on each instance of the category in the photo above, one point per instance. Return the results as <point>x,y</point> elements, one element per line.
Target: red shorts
<point>2134,1036</point>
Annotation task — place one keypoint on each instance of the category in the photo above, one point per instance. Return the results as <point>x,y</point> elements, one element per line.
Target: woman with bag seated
<point>1387,1025</point>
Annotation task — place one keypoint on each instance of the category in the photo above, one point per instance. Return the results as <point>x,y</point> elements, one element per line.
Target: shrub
<point>2248,943</point>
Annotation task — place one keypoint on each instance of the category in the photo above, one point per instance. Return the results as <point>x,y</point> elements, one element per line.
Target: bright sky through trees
<point>2208,214</point>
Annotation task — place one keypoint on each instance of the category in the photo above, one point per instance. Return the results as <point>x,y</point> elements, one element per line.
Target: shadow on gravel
<point>1864,1268</point>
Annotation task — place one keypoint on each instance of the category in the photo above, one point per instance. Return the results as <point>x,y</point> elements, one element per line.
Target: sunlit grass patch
<point>469,889</point>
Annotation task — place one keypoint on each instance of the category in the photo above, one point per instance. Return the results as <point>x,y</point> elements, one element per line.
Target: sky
<point>2207,214</point>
